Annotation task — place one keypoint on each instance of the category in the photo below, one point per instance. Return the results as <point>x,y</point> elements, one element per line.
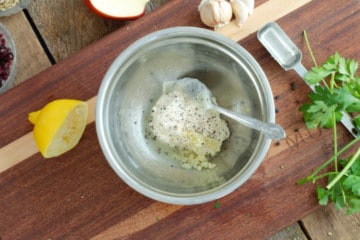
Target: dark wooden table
<point>64,51</point>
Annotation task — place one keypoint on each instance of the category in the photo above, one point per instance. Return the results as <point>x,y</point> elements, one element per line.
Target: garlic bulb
<point>242,9</point>
<point>215,13</point>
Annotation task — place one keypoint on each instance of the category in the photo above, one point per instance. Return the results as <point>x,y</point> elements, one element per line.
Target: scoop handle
<point>300,70</point>
<point>270,130</point>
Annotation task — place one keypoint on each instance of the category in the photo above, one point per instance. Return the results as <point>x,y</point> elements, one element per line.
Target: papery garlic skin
<point>241,10</point>
<point>250,4</point>
<point>215,13</point>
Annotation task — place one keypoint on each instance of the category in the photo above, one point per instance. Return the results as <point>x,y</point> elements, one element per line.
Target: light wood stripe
<point>269,11</point>
<point>10,154</point>
<point>141,220</point>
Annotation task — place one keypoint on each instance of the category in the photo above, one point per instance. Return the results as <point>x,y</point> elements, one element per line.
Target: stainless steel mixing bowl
<point>134,82</point>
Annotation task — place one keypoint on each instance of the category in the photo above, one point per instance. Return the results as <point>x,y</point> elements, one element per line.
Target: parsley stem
<point>345,169</point>
<point>309,48</point>
<point>323,175</point>
<point>332,81</point>
<point>335,143</point>
<point>330,160</point>
<point>307,42</point>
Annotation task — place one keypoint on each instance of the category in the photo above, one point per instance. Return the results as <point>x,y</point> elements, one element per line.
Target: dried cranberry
<point>6,58</point>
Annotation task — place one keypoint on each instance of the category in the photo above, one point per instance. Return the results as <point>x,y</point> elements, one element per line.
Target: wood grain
<point>78,196</point>
<point>65,38</point>
<point>31,58</point>
<point>329,223</point>
<point>67,26</point>
<point>293,232</point>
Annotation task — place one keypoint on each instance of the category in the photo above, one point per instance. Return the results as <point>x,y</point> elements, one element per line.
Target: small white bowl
<point>17,8</point>
<point>9,43</point>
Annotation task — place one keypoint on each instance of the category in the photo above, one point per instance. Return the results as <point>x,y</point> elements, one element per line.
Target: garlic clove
<point>226,11</point>
<point>215,13</point>
<point>250,4</point>
<point>240,11</point>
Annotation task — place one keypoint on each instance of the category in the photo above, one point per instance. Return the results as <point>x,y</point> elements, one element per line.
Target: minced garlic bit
<point>7,4</point>
<point>193,133</point>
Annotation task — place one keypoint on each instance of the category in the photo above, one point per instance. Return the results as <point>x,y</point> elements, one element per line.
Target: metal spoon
<point>198,91</point>
<point>285,52</point>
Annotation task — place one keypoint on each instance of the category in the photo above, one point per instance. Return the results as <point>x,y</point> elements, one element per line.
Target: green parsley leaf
<point>337,195</point>
<point>355,168</point>
<point>357,122</point>
<point>318,114</point>
<point>316,75</point>
<point>332,62</point>
<point>354,205</point>
<point>353,86</point>
<point>217,204</point>
<point>323,195</point>
<point>352,183</point>
<point>323,94</point>
<point>346,70</point>
<point>345,99</point>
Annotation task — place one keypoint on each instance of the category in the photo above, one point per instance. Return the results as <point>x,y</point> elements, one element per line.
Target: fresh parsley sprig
<point>336,92</point>
<point>331,99</point>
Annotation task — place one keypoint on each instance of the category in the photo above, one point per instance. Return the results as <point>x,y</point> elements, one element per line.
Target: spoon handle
<point>270,130</point>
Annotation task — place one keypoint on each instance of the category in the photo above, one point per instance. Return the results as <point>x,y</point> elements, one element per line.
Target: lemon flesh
<point>59,125</point>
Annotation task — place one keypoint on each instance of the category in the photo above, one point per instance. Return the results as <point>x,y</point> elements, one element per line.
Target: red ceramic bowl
<point>117,9</point>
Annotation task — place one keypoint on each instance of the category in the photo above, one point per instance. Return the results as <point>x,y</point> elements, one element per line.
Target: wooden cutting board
<point>78,196</point>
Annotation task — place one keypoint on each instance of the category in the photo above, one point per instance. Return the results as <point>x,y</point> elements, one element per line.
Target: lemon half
<point>59,125</point>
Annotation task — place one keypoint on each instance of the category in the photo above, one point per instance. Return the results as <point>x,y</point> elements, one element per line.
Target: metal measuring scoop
<point>285,52</point>
<point>281,48</point>
<point>199,92</point>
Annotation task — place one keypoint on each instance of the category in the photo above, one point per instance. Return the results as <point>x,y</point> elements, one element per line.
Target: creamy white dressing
<point>183,128</point>
<point>120,8</point>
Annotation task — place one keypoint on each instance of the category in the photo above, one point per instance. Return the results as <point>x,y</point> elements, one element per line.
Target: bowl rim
<point>106,144</point>
<point>15,9</point>
<point>10,43</point>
